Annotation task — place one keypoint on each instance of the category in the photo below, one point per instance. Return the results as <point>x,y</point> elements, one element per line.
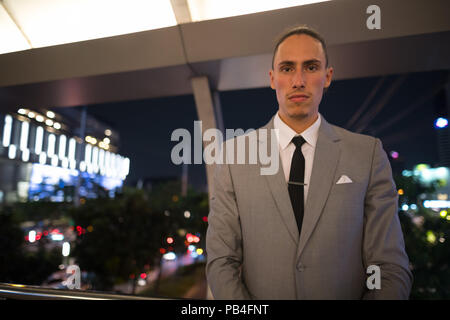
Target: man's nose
<point>298,80</point>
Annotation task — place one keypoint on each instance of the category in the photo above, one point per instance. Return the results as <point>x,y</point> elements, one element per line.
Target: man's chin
<point>299,112</point>
<point>300,115</point>
<point>303,116</point>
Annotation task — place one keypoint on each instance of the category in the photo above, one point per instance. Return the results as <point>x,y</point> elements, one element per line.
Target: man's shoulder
<point>346,134</point>
<point>353,141</point>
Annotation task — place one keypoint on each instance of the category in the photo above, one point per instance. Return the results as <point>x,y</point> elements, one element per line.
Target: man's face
<point>299,76</point>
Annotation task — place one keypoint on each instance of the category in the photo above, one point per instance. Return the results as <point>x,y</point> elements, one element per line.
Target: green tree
<point>19,264</point>
<point>11,241</point>
<point>117,237</point>
<point>427,241</point>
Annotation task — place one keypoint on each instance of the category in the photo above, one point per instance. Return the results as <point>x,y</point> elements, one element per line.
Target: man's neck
<point>299,125</point>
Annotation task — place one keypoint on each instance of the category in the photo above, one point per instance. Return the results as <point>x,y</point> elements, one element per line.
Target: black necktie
<point>296,180</point>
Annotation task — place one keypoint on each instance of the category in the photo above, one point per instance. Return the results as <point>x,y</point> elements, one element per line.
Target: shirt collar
<point>286,133</point>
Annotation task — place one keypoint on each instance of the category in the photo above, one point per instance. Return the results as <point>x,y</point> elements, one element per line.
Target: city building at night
<point>439,178</point>
<point>43,155</point>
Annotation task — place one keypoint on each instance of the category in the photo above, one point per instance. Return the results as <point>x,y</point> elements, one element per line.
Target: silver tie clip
<point>297,183</point>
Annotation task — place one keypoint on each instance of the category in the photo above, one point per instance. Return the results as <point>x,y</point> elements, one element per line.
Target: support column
<point>205,110</point>
<point>218,112</point>
<point>210,113</point>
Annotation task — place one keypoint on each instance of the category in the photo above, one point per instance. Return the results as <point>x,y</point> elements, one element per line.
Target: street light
<point>440,123</point>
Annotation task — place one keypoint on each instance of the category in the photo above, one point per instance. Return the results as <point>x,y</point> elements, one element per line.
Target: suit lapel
<point>278,187</point>
<point>326,158</point>
<point>280,193</point>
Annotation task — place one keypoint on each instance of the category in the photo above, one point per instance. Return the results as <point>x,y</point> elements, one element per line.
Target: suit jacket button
<point>300,267</point>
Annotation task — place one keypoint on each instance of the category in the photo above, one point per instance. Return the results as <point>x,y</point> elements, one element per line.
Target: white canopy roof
<point>234,51</point>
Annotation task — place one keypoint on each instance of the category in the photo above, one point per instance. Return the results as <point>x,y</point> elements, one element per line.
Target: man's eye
<point>312,67</point>
<point>286,69</point>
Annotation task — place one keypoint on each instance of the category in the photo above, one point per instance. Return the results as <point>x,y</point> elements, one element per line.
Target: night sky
<point>145,126</point>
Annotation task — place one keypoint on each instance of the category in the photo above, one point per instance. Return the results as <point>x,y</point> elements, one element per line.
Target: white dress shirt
<point>287,147</point>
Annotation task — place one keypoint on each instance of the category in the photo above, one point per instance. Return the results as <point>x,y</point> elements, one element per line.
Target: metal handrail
<point>25,292</point>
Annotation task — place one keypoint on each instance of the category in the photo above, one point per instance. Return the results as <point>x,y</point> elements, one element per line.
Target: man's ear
<point>272,85</point>
<point>329,76</point>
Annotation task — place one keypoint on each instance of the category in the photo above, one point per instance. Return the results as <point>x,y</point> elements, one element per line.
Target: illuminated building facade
<point>426,176</point>
<point>43,156</point>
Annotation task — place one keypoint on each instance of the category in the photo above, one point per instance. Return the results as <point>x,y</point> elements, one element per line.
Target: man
<point>311,230</point>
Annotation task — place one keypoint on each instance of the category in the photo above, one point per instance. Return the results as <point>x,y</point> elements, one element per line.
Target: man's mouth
<point>298,97</point>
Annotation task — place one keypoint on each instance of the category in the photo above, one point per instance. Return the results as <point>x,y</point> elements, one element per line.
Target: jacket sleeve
<point>383,243</point>
<point>224,240</point>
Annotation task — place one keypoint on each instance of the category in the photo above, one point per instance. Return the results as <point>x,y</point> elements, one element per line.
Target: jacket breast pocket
<point>348,194</point>
<point>345,208</point>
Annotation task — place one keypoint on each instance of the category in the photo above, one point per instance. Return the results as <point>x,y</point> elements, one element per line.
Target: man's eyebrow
<point>312,61</point>
<point>286,63</point>
<point>291,63</point>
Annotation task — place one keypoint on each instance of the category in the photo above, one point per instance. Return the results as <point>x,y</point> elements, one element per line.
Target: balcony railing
<point>23,292</point>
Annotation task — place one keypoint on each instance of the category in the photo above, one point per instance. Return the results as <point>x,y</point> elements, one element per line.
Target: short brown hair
<point>298,31</point>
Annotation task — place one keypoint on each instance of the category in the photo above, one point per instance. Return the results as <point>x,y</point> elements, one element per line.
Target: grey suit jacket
<point>254,250</point>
